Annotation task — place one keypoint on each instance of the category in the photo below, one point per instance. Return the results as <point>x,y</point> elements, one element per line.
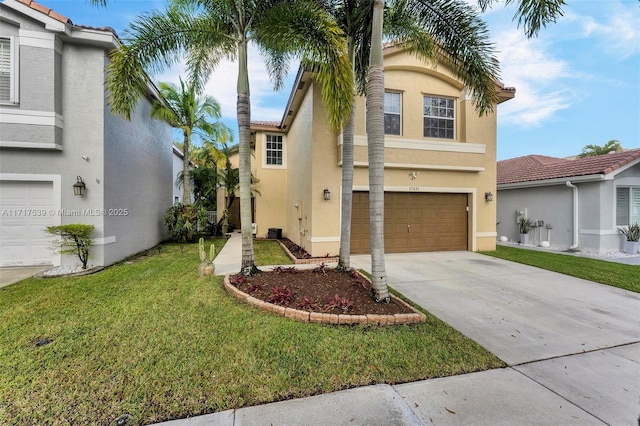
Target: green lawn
<point>600,271</point>
<point>269,252</point>
<point>154,340</point>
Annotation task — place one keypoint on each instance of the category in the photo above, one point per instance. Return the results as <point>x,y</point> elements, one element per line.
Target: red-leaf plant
<point>339,302</point>
<point>308,303</point>
<point>280,296</point>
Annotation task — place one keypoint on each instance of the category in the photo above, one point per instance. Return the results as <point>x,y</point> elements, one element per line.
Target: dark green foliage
<point>182,221</point>
<point>632,233</point>
<point>74,238</point>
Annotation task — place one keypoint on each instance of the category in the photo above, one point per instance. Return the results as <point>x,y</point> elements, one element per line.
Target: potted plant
<point>632,234</point>
<point>524,225</point>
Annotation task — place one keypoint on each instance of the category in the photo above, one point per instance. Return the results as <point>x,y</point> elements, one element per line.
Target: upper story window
<point>274,150</point>
<point>8,70</point>
<point>439,117</point>
<point>627,206</point>
<point>392,113</point>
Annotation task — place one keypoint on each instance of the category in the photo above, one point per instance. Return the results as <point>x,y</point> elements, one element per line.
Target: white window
<point>627,206</point>
<point>274,150</point>
<point>439,117</point>
<point>8,70</point>
<point>392,113</point>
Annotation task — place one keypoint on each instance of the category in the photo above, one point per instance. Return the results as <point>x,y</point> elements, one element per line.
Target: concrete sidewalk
<point>572,346</point>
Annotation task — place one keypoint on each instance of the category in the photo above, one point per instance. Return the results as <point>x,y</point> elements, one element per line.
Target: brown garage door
<point>414,222</point>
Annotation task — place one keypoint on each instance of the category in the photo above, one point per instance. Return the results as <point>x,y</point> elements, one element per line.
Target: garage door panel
<point>414,222</point>
<point>23,237</point>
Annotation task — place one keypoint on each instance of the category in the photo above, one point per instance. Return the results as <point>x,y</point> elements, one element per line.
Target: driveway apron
<point>519,313</point>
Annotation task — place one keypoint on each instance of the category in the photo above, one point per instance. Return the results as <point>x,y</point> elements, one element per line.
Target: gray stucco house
<point>575,203</point>
<point>56,127</point>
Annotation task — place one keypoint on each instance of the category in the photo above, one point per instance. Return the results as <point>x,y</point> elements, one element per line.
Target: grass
<point>154,340</point>
<point>269,252</point>
<point>614,274</point>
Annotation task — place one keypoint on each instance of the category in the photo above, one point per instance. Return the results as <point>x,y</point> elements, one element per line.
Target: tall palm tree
<point>595,150</point>
<point>186,111</point>
<point>208,30</point>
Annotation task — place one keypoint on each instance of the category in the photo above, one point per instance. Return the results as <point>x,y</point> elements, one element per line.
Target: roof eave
<point>552,182</point>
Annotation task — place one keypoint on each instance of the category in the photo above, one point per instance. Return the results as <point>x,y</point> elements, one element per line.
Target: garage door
<point>24,215</point>
<point>414,222</point>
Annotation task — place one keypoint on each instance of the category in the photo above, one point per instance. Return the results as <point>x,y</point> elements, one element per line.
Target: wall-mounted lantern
<point>79,187</point>
<point>488,196</point>
<point>327,195</point>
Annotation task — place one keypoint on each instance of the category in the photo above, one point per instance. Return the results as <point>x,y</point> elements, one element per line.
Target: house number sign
<point>414,188</point>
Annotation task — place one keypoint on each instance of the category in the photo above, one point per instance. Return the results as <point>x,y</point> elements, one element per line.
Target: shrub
<point>280,296</point>
<point>75,238</point>
<point>632,233</point>
<point>182,221</point>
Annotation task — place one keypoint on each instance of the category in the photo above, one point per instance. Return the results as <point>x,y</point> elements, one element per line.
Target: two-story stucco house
<point>56,129</point>
<point>440,161</point>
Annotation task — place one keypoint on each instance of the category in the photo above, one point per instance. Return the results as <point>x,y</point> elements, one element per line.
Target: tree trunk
<point>375,140</point>
<point>344,262</point>
<point>186,172</point>
<point>244,152</point>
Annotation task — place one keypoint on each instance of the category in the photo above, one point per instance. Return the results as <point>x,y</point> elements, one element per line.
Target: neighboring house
<point>440,161</point>
<point>581,201</point>
<point>55,126</point>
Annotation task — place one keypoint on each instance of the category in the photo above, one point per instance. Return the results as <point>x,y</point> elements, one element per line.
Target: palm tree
<point>183,110</point>
<point>595,150</point>
<point>208,30</point>
<point>533,15</point>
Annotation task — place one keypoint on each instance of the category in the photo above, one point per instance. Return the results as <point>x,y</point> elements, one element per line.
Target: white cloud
<point>617,29</point>
<point>537,77</point>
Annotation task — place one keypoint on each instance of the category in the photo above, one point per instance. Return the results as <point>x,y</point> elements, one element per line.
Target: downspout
<point>575,215</point>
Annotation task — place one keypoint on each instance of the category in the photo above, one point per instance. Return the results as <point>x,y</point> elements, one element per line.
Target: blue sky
<point>577,83</point>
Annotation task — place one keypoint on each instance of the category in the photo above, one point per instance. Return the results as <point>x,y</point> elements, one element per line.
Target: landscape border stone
<point>331,259</point>
<point>326,318</point>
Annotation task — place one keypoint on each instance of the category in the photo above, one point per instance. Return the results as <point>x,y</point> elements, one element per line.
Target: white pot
<point>632,247</point>
<point>524,238</point>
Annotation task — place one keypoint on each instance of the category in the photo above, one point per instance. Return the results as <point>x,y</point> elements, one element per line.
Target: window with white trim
<point>392,113</point>
<point>627,206</point>
<point>439,117</point>
<point>8,70</point>
<point>274,150</point>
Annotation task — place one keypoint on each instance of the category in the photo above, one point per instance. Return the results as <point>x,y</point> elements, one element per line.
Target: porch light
<point>327,195</point>
<point>488,196</point>
<point>79,187</point>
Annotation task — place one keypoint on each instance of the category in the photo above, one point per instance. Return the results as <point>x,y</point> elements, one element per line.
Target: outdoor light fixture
<point>327,195</point>
<point>79,187</point>
<point>488,196</point>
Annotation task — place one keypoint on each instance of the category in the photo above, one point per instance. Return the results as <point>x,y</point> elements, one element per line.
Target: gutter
<point>575,214</point>
<point>549,182</point>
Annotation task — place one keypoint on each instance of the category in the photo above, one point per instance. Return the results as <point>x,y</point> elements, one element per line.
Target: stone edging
<point>316,317</point>
<point>73,274</point>
<point>310,260</point>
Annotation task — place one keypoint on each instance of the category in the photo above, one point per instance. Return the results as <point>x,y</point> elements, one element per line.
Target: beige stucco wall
<point>466,164</point>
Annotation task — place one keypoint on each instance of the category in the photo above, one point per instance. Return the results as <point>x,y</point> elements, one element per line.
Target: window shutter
<point>635,206</point>
<point>622,206</point>
<point>5,69</point>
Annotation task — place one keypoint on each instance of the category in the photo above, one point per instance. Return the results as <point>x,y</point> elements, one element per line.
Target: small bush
<point>280,296</point>
<point>75,238</point>
<point>182,221</point>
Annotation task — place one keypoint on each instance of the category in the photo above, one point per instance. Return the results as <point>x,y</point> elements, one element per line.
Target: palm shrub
<point>632,233</point>
<point>182,221</point>
<point>524,225</point>
<point>74,238</point>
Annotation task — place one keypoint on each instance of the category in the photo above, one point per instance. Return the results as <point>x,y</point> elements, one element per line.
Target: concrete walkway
<point>572,346</point>
<point>10,274</point>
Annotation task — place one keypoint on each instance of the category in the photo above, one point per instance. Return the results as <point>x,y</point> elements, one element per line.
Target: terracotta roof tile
<point>539,167</point>
<point>49,12</point>
<point>266,123</point>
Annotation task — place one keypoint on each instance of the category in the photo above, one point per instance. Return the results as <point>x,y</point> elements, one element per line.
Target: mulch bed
<point>297,251</point>
<point>315,291</point>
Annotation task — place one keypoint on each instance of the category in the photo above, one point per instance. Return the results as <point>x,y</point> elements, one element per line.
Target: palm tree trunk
<point>344,262</point>
<point>375,139</point>
<point>186,172</point>
<point>244,152</point>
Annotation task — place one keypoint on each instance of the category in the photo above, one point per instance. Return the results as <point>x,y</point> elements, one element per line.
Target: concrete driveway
<point>569,342</point>
<point>10,274</point>
<point>519,313</point>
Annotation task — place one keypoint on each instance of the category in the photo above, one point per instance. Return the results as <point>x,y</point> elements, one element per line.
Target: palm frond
<point>532,15</point>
